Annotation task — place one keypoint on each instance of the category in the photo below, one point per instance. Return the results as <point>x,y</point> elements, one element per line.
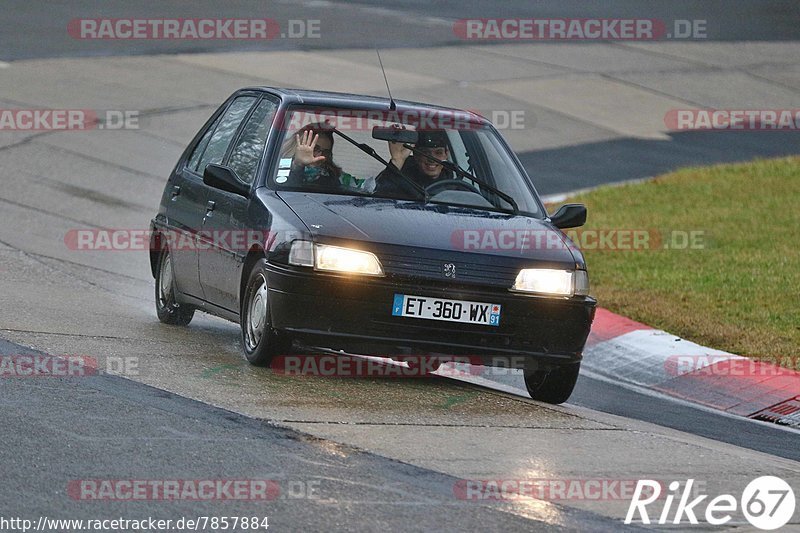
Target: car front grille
<point>466,271</point>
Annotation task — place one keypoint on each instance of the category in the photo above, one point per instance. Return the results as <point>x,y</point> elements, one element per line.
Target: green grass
<point>740,292</point>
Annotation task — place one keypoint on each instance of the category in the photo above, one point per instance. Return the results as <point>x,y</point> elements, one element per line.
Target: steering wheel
<point>449,184</point>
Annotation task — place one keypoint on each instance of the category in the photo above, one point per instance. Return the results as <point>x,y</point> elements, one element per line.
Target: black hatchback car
<point>366,226</point>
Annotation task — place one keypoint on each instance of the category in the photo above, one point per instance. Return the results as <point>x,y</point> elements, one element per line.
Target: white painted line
<point>3,64</point>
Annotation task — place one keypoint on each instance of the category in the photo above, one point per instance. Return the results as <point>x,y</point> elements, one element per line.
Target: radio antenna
<point>392,105</point>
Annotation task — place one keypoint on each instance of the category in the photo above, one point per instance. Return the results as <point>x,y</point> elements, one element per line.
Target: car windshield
<point>328,151</point>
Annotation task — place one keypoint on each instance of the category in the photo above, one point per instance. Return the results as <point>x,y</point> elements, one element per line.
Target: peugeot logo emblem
<point>449,270</point>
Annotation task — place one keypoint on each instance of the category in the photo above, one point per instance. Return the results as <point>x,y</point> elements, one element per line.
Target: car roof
<point>359,101</point>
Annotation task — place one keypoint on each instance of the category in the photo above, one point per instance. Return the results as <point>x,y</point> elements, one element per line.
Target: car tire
<point>169,311</point>
<point>554,386</point>
<point>260,342</point>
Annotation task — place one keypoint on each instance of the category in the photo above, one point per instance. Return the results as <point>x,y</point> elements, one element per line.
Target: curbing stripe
<point>608,325</point>
<point>743,387</point>
<point>625,350</point>
<point>786,413</point>
<point>649,357</point>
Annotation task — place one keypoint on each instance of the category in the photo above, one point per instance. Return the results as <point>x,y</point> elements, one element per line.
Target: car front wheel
<point>260,341</point>
<point>169,311</point>
<point>554,386</point>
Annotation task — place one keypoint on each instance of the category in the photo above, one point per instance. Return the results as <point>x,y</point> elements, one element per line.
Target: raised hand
<point>397,151</point>
<point>304,152</point>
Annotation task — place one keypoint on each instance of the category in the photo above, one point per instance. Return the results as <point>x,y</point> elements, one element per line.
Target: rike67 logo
<point>767,503</point>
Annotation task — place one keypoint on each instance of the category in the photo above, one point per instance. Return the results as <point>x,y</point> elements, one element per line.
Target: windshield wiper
<point>464,174</point>
<point>369,150</point>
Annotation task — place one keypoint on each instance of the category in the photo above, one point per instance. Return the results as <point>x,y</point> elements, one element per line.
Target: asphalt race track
<point>563,145</point>
<point>345,454</point>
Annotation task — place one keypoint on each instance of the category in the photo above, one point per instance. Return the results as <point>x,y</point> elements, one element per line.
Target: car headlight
<point>334,258</point>
<point>551,282</point>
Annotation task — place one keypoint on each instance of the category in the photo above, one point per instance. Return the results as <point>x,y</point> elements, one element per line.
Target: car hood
<point>382,221</point>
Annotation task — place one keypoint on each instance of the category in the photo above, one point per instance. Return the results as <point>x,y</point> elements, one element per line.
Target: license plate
<point>449,310</point>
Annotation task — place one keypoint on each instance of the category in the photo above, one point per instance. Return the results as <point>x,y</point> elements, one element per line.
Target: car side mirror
<point>224,179</point>
<point>569,216</point>
<point>395,135</point>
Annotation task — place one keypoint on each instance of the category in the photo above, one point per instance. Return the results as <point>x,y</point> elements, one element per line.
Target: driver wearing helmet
<point>416,166</point>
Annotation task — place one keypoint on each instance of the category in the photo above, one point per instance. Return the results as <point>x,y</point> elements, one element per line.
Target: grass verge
<point>721,265</point>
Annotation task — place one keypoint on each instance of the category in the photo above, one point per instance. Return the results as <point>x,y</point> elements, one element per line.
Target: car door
<point>190,195</point>
<point>185,212</point>
<point>225,222</point>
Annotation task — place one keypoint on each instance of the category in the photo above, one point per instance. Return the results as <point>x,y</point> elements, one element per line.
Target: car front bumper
<point>354,314</point>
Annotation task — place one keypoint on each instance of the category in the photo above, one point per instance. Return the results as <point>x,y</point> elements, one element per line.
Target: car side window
<point>249,147</point>
<point>224,132</point>
<point>194,159</point>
